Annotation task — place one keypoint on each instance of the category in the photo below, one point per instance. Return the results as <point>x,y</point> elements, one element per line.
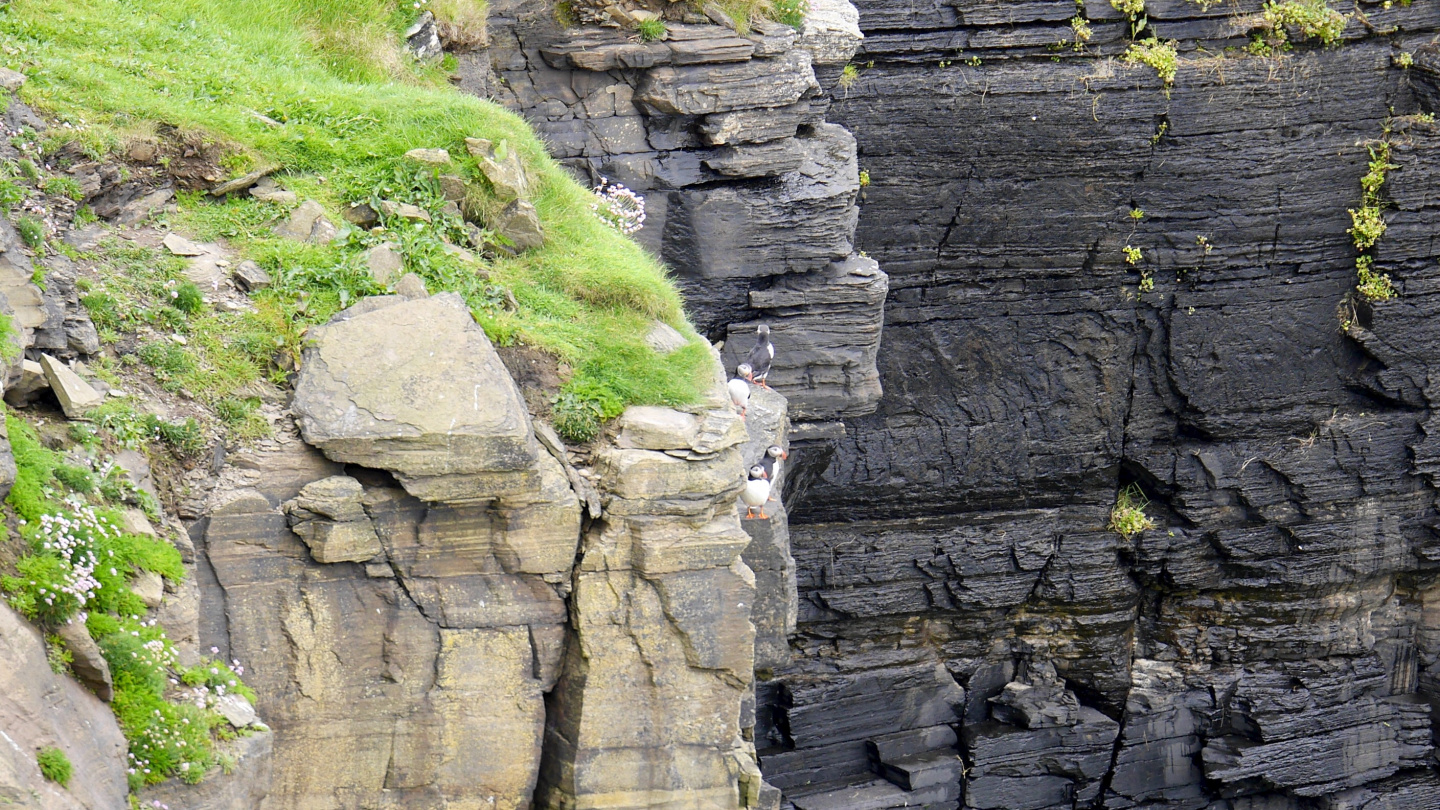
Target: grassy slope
<point>352,103</point>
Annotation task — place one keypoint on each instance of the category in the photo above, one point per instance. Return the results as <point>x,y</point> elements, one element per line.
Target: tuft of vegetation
<point>1127,517</point>
<point>652,30</point>
<point>577,415</point>
<point>1133,255</point>
<point>224,74</point>
<point>1161,56</point>
<point>54,765</point>
<point>1080,30</point>
<point>78,568</point>
<point>1367,226</point>
<point>1134,11</point>
<point>745,12</point>
<point>32,231</point>
<point>57,655</point>
<point>1315,19</point>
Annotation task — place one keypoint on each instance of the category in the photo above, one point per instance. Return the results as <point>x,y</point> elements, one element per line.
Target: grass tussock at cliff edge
<point>349,102</point>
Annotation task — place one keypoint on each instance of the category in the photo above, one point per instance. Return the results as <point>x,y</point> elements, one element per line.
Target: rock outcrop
<point>424,618</point>
<point>1269,643</point>
<point>39,709</point>
<point>749,194</point>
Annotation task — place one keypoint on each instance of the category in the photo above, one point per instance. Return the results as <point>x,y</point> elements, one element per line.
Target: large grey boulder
<point>76,396</point>
<point>414,387</point>
<point>39,709</point>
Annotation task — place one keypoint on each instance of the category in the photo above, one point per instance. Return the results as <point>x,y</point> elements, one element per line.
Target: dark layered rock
<point>1267,644</point>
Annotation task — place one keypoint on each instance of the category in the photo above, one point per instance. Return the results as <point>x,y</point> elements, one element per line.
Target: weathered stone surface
<point>244,181</point>
<point>251,277</point>
<point>87,663</point>
<point>150,587</point>
<point>832,31</point>
<point>180,246</point>
<point>660,618</point>
<point>664,338</point>
<point>39,709</point>
<point>706,89</point>
<point>330,517</point>
<point>385,263</point>
<point>520,225</point>
<point>416,388</point>
<point>11,79</point>
<point>429,157</point>
<point>75,395</point>
<point>307,224</point>
<point>369,694</point>
<point>646,427</point>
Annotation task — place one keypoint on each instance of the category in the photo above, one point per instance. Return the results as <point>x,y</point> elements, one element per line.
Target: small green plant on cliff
<point>745,12</point>
<point>1315,19</point>
<point>1127,517</point>
<point>1367,226</point>
<point>652,30</point>
<point>1161,56</point>
<point>1133,255</point>
<point>1080,30</point>
<point>54,765</point>
<point>849,75</point>
<point>1134,10</point>
<point>32,231</point>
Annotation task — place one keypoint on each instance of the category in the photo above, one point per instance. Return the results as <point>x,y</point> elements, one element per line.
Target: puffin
<point>771,461</point>
<point>740,395</point>
<point>757,364</point>
<point>756,493</point>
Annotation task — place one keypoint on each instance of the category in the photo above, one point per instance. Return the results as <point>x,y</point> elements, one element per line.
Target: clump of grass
<point>1128,517</point>
<point>32,231</point>
<point>54,766</point>
<point>1368,225</point>
<point>188,298</point>
<point>652,30</point>
<point>577,414</point>
<point>1161,56</point>
<point>57,655</point>
<point>1314,18</point>
<point>744,12</point>
<point>588,296</point>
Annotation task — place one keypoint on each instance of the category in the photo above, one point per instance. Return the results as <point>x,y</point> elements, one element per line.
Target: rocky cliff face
<point>441,606</point>
<point>750,195</point>
<point>1269,644</point>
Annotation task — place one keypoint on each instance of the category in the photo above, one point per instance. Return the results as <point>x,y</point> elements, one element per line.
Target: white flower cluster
<point>619,207</point>
<point>73,538</point>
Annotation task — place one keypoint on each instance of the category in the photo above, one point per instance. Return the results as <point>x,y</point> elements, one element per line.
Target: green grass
<point>351,104</point>
<point>651,30</point>
<point>744,12</point>
<point>54,765</point>
<point>169,734</point>
<point>1127,517</point>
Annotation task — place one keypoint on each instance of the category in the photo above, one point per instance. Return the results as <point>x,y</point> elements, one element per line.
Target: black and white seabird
<point>757,364</point>
<point>770,463</point>
<point>740,395</point>
<point>756,493</point>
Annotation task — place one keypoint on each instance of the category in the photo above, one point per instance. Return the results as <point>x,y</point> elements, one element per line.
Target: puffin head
<point>776,451</point>
<point>758,472</point>
<point>744,370</point>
